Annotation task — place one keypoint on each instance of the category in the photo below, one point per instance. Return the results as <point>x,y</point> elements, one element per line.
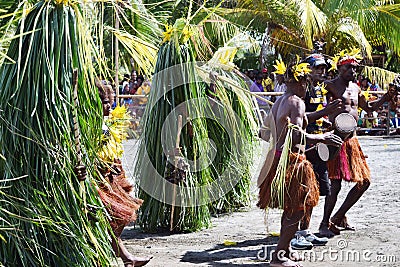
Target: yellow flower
<point>186,34</point>
<point>168,33</point>
<point>280,67</point>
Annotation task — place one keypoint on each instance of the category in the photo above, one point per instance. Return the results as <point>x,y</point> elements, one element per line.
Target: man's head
<point>365,82</point>
<point>318,67</point>
<point>259,78</point>
<point>264,73</point>
<point>296,77</point>
<point>347,66</point>
<point>105,102</point>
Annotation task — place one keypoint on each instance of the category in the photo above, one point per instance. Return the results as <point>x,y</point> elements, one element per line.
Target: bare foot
<point>342,223</point>
<point>325,232</point>
<point>281,260</point>
<point>136,261</point>
<point>284,263</point>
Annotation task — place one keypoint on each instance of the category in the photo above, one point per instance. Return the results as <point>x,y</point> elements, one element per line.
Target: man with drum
<point>314,102</point>
<point>290,169</point>
<point>349,162</point>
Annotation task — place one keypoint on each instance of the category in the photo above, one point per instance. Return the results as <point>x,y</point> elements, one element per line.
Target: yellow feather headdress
<point>346,57</point>
<point>297,70</point>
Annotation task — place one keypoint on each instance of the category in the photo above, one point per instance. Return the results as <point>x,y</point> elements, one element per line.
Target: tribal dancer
<point>349,164</point>
<point>315,102</point>
<point>297,182</point>
<point>115,189</point>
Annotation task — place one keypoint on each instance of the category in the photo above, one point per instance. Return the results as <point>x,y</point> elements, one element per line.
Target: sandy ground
<point>376,216</point>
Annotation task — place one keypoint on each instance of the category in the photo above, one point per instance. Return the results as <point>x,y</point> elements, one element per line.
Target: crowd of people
<point>384,121</point>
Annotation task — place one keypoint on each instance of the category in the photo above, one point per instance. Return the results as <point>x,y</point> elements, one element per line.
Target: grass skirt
<point>349,164</point>
<point>116,197</point>
<point>301,186</point>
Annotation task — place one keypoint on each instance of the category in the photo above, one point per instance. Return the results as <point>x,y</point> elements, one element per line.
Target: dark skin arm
<point>297,112</point>
<point>374,105</point>
<point>331,107</point>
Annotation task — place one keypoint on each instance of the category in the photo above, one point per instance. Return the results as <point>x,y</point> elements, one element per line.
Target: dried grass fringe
<point>301,185</point>
<point>350,164</point>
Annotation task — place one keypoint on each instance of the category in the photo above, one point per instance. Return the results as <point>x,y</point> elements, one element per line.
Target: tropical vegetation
<point>47,217</point>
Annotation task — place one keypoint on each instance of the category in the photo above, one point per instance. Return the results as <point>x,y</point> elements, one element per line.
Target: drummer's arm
<point>370,106</point>
<point>332,107</point>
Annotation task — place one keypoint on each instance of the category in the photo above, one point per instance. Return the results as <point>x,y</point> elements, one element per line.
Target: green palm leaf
<point>44,208</point>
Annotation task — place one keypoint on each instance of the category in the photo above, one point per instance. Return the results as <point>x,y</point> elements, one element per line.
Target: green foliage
<point>177,90</point>
<point>45,213</point>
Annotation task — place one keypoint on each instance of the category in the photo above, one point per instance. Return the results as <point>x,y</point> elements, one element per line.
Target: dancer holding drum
<point>349,162</point>
<point>290,183</point>
<point>317,154</point>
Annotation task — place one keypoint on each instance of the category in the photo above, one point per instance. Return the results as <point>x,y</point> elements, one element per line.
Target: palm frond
<point>45,207</point>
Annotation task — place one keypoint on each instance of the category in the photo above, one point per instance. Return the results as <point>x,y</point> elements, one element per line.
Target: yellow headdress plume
<point>346,57</point>
<point>300,69</point>
<point>280,67</point>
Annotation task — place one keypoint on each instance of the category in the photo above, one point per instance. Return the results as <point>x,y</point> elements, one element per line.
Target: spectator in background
<point>280,85</point>
<point>365,84</point>
<point>267,82</point>
<point>124,89</point>
<point>375,86</point>
<point>133,79</point>
<point>252,75</point>
<point>383,120</point>
<point>257,87</point>
<point>143,90</point>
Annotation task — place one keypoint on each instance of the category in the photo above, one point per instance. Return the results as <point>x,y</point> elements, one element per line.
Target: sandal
<point>136,262</point>
<point>342,224</point>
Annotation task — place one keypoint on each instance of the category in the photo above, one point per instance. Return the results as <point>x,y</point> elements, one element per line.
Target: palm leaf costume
<point>214,166</point>
<point>46,214</point>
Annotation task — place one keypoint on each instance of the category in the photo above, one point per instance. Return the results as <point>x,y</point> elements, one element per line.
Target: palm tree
<point>293,25</point>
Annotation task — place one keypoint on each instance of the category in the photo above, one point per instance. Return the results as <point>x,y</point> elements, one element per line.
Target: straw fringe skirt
<point>120,205</point>
<point>301,185</point>
<point>350,164</point>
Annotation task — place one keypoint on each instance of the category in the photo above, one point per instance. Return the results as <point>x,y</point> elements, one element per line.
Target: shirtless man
<point>302,179</point>
<point>349,164</point>
<point>313,100</point>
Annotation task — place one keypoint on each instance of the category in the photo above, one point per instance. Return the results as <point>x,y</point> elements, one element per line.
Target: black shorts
<point>321,173</point>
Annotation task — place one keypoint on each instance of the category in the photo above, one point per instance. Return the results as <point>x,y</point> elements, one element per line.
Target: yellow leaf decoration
<point>355,52</point>
<point>323,88</point>
<point>346,57</point>
<point>186,34</point>
<point>301,70</point>
<point>280,67</point>
<point>117,125</point>
<point>168,33</point>
<point>334,62</point>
